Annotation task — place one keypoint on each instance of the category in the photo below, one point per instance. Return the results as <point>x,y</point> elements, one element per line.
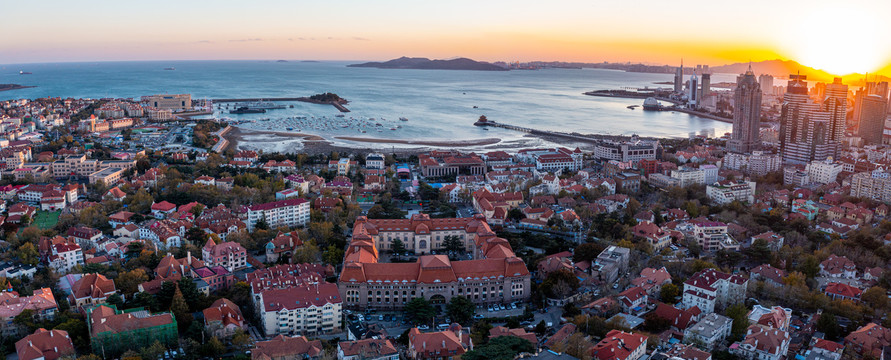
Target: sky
<point>837,36</point>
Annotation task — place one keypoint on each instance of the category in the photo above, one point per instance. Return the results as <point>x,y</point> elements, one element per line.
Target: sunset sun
<point>840,39</point>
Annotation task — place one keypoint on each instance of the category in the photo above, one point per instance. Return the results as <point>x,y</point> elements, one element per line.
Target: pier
<point>587,138</point>
<point>630,95</point>
<point>336,105</point>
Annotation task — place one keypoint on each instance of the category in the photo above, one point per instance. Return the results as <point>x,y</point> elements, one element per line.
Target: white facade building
<point>288,213</point>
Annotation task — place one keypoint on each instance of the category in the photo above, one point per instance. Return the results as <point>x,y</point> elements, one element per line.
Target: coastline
<point>442,143</point>
<point>289,142</point>
<point>9,87</point>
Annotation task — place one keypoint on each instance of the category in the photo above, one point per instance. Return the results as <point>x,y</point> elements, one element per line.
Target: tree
<point>500,348</point>
<point>515,214</point>
<point>333,255</point>
<point>460,309</point>
<point>453,243</point>
<point>115,300</point>
<point>397,247</point>
<point>737,313</point>
<point>827,324</point>
<point>27,254</point>
<point>875,297</point>
<point>195,235</point>
<point>419,311</point>
<point>213,348</point>
<point>586,252</point>
<point>559,284</point>
<point>180,310</point>
<point>308,253</point>
<point>570,310</point>
<point>669,292</point>
<point>240,339</point>
<point>541,328</point>
<point>128,282</point>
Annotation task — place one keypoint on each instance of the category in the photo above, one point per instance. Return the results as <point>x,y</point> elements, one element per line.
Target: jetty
<point>586,138</point>
<point>631,95</point>
<point>337,105</point>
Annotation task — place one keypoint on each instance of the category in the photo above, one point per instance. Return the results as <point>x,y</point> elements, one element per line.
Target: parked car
<point>423,327</point>
<point>477,316</point>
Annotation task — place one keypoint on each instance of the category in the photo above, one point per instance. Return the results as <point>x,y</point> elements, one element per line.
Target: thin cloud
<point>360,38</point>
<point>246,40</point>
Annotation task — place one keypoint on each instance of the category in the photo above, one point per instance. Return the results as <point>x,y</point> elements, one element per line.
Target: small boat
<point>339,115</point>
<point>290,129</point>
<point>170,68</point>
<point>403,119</point>
<point>485,128</point>
<point>392,128</point>
<point>476,107</point>
<point>24,72</point>
<point>632,106</point>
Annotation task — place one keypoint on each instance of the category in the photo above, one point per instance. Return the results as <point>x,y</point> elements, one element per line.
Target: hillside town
<point>132,231</point>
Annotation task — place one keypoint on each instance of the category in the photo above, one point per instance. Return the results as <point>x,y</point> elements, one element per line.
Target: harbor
<point>337,105</point>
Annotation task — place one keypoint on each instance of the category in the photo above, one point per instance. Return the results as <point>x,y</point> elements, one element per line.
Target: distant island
<point>5,87</point>
<point>427,64</point>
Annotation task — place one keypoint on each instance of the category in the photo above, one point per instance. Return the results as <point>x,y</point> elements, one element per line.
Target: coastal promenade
<point>336,105</point>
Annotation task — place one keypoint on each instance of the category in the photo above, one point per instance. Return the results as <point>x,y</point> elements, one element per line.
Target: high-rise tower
<point>746,114</point>
<point>679,78</point>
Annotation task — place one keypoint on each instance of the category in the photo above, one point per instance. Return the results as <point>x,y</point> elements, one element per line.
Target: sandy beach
<point>291,142</point>
<point>457,143</point>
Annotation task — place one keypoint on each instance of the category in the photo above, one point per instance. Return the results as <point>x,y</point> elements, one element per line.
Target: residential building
<point>611,262</point>
<point>762,343</point>
<point>710,289</point>
<point>869,340</point>
<point>367,349</point>
<point>287,213</point>
<point>45,344</point>
<point>91,289</point>
<point>873,185</point>
<point>41,302</point>
<point>113,332</point>
<point>713,236</point>
<point>374,161</point>
<point>838,267</point>
<point>301,310</point>
<point>842,291</point>
<point>689,176</point>
<point>651,280</point>
<point>653,234</point>
<point>824,171</point>
<point>710,331</point>
<point>223,319</point>
<point>619,345</point>
<point>287,348</point>
<point>728,191</point>
<point>775,317</point>
<point>440,345</point>
<point>229,255</point>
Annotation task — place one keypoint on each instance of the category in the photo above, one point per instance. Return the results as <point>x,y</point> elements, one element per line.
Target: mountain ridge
<point>423,63</point>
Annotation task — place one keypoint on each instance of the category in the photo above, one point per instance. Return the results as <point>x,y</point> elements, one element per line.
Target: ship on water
<point>21,72</point>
